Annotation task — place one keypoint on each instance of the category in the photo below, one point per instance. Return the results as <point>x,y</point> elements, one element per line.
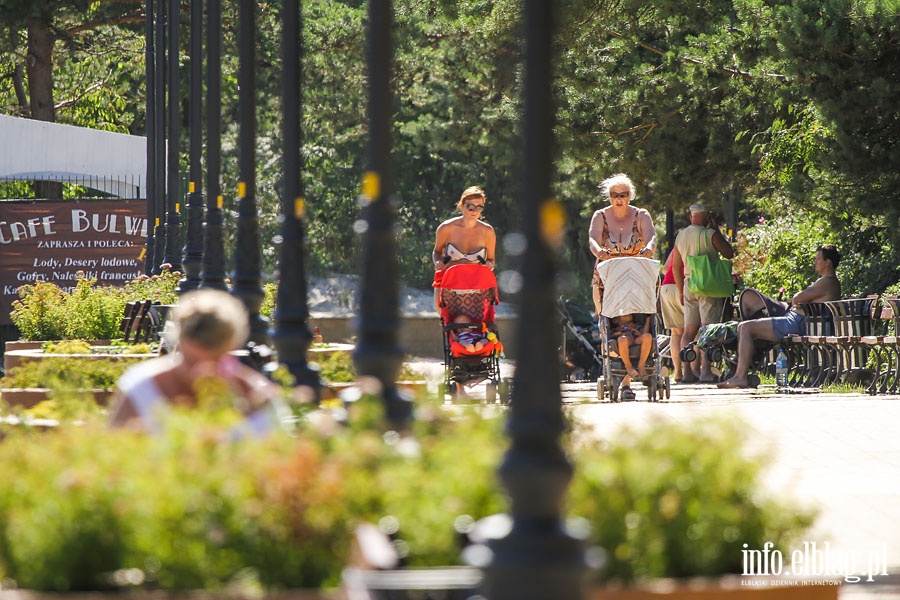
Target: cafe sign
<point>60,241</point>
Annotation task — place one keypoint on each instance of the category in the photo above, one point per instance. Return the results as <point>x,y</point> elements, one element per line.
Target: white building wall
<point>115,163</point>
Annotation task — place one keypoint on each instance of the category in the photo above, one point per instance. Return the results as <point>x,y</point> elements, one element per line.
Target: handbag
<point>710,276</point>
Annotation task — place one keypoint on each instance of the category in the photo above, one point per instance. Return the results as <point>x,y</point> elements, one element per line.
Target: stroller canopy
<point>629,285</point>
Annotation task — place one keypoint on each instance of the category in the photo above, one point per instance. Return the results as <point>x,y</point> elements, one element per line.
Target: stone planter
<point>321,352</point>
<point>334,390</point>
<point>14,358</point>
<point>164,595</point>
<point>725,588</point>
<point>28,397</point>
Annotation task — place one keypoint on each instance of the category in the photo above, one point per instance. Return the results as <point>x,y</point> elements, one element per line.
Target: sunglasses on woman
<point>475,207</point>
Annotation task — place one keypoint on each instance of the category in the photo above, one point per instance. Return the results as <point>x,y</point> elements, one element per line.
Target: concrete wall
<point>419,336</point>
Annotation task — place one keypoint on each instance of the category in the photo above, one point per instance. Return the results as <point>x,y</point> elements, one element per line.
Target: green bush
<point>38,311</point>
<point>46,312</point>
<point>159,288</point>
<point>92,313</point>
<point>67,373</point>
<point>186,510</point>
<point>676,500</point>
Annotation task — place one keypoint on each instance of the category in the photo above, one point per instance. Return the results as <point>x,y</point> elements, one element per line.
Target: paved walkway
<point>838,452</point>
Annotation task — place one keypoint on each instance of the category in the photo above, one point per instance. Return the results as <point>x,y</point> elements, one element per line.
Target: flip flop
<point>627,393</point>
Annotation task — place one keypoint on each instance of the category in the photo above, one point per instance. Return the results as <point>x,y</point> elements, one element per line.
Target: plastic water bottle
<point>781,370</point>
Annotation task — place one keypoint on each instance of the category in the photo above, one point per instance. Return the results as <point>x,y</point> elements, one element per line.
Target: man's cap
<point>699,208</point>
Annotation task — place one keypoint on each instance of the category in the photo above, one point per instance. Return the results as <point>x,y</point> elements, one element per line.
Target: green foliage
<point>92,313</point>
<point>185,510</point>
<point>159,288</point>
<point>337,367</point>
<point>676,500</point>
<point>696,101</point>
<point>270,294</point>
<point>779,252</point>
<point>46,312</point>
<point>37,312</point>
<point>64,374</point>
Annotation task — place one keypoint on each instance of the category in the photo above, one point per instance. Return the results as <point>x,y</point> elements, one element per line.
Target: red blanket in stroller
<point>470,290</point>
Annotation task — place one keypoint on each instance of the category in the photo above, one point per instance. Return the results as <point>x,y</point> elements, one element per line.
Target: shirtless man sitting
<point>826,288</point>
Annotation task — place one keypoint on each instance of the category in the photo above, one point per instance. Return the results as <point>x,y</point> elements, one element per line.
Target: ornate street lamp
<point>248,260</point>
<point>150,71</point>
<point>377,352</point>
<point>291,335</point>
<point>213,272</point>
<point>159,99</point>
<point>538,559</point>
<point>193,238</point>
<point>173,219</point>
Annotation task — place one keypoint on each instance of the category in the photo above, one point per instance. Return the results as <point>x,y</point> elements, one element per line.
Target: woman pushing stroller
<point>619,229</point>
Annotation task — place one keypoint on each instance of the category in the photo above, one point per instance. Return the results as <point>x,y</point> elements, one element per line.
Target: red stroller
<point>470,291</point>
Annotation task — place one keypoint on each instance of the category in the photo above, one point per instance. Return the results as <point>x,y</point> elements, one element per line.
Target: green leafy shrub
<point>678,500</point>
<point>92,313</point>
<point>44,311</point>
<point>67,347</point>
<point>67,373</point>
<point>185,510</point>
<point>38,313</point>
<point>159,288</point>
<point>338,367</point>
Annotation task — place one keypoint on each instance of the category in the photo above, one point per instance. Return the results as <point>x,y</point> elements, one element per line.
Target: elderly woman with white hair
<point>619,229</point>
<point>205,326</point>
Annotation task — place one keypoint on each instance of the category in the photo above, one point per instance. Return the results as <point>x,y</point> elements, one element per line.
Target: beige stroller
<point>630,286</point>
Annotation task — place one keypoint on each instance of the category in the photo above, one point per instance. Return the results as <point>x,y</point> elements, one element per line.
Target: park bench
<point>142,321</point>
<point>811,358</point>
<point>853,322</point>
<point>885,346</point>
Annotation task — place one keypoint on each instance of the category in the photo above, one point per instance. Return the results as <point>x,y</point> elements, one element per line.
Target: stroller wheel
<point>753,380</point>
<point>490,393</point>
<point>714,355</point>
<point>689,354</point>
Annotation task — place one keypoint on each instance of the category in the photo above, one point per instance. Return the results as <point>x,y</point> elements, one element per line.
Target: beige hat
<point>699,208</point>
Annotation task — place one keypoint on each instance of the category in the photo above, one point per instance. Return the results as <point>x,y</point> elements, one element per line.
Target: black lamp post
<point>193,237</point>
<point>173,219</point>
<point>159,99</point>
<point>292,336</point>
<point>150,72</point>
<point>377,352</point>
<point>538,559</point>
<point>248,260</point>
<point>213,274</point>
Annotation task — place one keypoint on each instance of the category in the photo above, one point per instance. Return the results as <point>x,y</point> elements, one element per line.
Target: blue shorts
<point>793,323</point>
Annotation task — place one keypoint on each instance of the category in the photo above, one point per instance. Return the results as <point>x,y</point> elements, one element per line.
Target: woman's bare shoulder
<point>451,222</point>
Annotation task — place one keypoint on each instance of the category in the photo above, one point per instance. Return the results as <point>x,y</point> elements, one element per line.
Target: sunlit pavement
<point>837,452</point>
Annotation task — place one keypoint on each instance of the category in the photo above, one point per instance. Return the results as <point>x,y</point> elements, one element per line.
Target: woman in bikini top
<point>463,239</point>
<point>455,255</point>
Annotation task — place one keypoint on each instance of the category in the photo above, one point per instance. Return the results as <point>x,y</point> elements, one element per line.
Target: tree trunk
<point>39,66</point>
